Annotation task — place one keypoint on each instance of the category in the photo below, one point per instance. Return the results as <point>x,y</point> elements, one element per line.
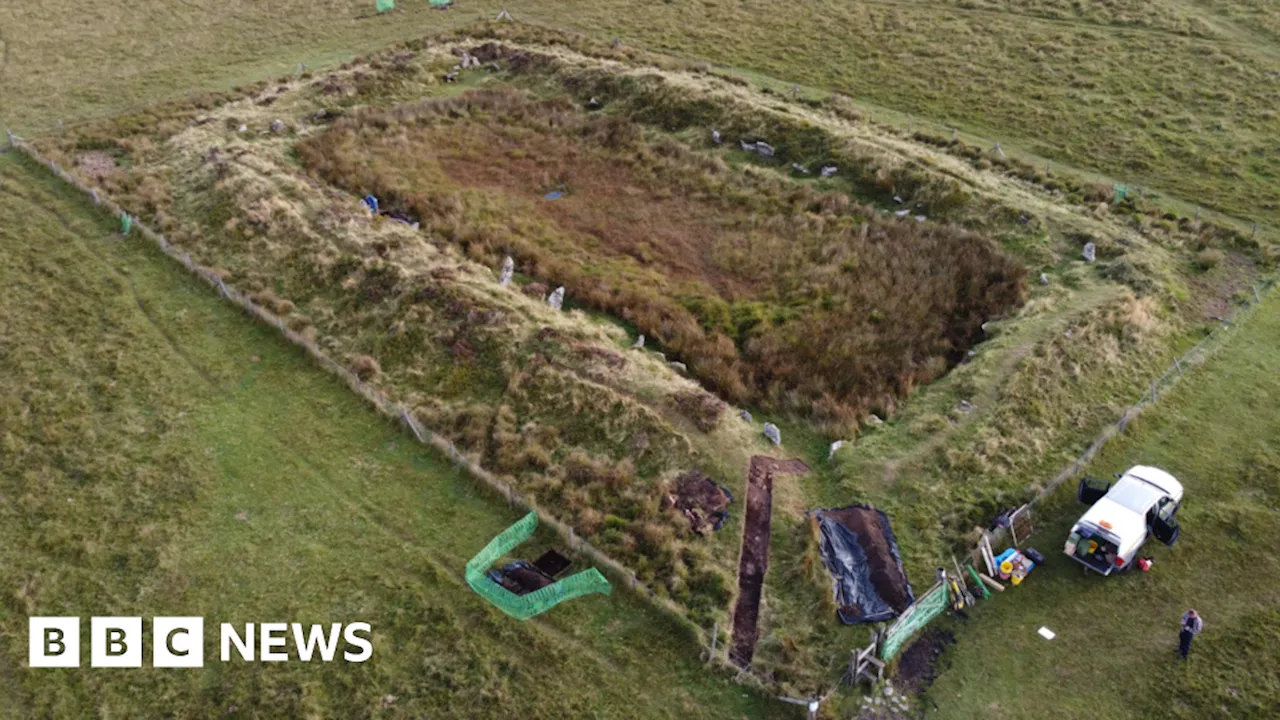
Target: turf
<point>164,454</point>
<point>1174,95</point>
<point>1114,656</point>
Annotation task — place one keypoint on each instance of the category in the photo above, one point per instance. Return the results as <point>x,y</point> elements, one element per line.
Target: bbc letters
<point>178,642</point>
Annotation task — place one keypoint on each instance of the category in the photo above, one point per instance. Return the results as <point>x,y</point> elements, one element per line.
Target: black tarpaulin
<point>861,553</point>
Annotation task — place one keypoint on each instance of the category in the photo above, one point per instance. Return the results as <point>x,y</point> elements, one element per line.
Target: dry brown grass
<point>771,291</point>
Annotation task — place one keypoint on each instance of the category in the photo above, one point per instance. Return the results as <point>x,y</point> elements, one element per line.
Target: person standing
<point>1192,624</point>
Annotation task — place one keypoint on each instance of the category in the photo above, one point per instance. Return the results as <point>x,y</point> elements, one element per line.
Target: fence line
<point>394,411</point>
<point>1173,374</point>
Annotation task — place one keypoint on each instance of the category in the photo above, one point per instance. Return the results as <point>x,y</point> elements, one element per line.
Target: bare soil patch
<point>704,502</point>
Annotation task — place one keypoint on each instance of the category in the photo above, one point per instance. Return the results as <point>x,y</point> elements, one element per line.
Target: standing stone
<point>746,416</point>
<point>835,447</point>
<point>508,269</point>
<point>277,126</point>
<point>715,137</point>
<point>556,301</point>
<point>1044,278</point>
<point>1090,252</point>
<point>772,432</point>
<point>639,343</point>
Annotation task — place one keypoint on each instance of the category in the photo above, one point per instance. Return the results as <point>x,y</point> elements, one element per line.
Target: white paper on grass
<point>1046,633</point>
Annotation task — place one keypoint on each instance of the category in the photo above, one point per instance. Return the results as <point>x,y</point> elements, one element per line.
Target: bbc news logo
<point>178,642</point>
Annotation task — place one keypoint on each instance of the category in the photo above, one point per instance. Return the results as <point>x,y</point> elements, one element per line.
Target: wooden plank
<point>992,583</point>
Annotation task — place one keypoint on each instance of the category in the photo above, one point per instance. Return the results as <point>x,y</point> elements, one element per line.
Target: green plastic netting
<point>126,224</point>
<point>523,607</point>
<point>385,5</point>
<point>914,619</point>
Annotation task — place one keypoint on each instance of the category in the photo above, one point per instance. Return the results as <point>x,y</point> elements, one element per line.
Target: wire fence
<point>707,640</point>
<point>1158,386</point>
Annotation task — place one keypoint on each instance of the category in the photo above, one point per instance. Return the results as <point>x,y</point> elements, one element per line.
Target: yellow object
<point>1017,579</point>
<point>1006,566</point>
<point>1093,546</point>
<point>1105,524</point>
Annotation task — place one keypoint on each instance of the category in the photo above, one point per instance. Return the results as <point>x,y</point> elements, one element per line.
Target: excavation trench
<point>755,553</point>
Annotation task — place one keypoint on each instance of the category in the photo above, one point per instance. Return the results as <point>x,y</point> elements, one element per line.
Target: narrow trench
<point>754,560</point>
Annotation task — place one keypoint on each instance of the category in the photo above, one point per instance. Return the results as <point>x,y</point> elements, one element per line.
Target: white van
<point>1143,502</point>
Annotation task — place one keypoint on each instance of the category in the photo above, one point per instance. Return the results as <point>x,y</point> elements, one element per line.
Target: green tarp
<point>385,5</point>
<point>523,607</point>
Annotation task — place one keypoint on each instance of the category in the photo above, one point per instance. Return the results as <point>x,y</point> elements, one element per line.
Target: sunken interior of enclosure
<point>772,291</point>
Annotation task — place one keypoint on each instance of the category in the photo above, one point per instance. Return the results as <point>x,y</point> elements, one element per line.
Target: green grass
<point>1114,656</point>
<point>1171,94</point>
<point>164,454</point>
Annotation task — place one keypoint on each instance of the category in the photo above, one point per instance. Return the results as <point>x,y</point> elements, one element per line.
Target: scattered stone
<point>800,168</point>
<point>972,353</point>
<point>594,104</point>
<point>243,128</point>
<point>1090,252</point>
<point>921,218</point>
<point>888,691</point>
<point>835,447</point>
<point>508,269</point>
<point>679,366</point>
<point>639,342</point>
<point>828,171</point>
<point>897,199</point>
<point>556,300</point>
<point>451,77</point>
<point>277,126</point>
<point>388,701</point>
<point>902,213</point>
<point>765,149</point>
<point>744,415</point>
<point>746,146</point>
<point>772,432</point>
<point>966,407</point>
<point>874,419</point>
<point>1044,278</point>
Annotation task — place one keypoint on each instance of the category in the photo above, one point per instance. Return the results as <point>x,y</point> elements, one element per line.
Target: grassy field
<point>554,401</point>
<point>1174,95</point>
<point>164,454</point>
<point>1114,656</point>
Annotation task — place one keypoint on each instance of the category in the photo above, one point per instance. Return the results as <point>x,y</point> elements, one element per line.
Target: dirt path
<point>755,553</point>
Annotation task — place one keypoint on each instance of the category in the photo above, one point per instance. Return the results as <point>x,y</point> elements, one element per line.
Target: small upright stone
<point>746,416</point>
<point>835,447</point>
<point>556,300</point>
<point>639,343</point>
<point>1044,278</point>
<point>1090,252</point>
<point>508,269</point>
<point>772,432</point>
